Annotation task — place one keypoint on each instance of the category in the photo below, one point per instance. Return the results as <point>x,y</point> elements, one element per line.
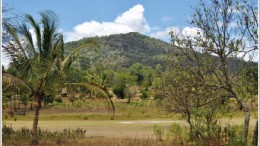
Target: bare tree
<point>220,35</point>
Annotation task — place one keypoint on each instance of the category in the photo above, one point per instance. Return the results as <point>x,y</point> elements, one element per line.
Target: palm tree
<point>41,63</point>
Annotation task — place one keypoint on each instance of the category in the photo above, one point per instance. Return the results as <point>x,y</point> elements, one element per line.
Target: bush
<point>7,131</point>
<point>176,129</point>
<point>119,90</point>
<point>158,132</point>
<point>22,136</point>
<point>145,94</point>
<point>58,100</point>
<point>48,99</point>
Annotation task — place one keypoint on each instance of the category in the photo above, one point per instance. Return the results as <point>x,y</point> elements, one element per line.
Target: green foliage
<point>7,131</point>
<point>23,135</point>
<point>176,129</point>
<point>58,100</point>
<point>119,90</point>
<point>145,93</point>
<point>48,99</point>
<point>124,50</point>
<point>158,131</point>
<point>234,135</point>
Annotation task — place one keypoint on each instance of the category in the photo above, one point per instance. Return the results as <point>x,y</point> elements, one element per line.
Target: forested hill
<point>123,50</point>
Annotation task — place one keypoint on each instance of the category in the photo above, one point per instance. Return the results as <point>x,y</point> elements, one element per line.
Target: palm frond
<point>28,36</point>
<point>11,80</point>
<point>16,47</point>
<point>37,31</point>
<point>100,89</point>
<point>49,20</point>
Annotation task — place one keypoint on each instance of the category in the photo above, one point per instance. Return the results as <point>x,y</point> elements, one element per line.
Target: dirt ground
<point>115,128</point>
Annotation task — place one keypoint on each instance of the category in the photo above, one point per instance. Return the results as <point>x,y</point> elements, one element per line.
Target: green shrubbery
<point>22,136</point>
<point>58,100</point>
<point>119,90</point>
<point>228,135</point>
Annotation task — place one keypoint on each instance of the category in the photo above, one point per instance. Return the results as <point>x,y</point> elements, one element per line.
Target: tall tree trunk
<point>35,126</point>
<point>35,122</point>
<point>247,118</point>
<point>246,125</point>
<point>113,107</point>
<point>191,127</point>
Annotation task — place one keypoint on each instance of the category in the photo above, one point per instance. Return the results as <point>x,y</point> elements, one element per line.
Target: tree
<point>219,36</point>
<point>11,18</point>
<point>24,99</point>
<point>119,90</point>
<point>41,63</point>
<point>48,99</point>
<point>184,94</point>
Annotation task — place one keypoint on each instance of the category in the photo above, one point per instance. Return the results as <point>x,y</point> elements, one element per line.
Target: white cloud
<point>185,32</point>
<point>191,32</point>
<point>164,34</point>
<point>132,20</point>
<point>5,60</point>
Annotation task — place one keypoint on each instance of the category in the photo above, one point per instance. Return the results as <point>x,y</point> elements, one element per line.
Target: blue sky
<point>85,18</point>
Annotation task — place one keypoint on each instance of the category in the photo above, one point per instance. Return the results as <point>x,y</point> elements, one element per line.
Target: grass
<point>133,124</point>
<point>96,110</point>
<point>101,110</point>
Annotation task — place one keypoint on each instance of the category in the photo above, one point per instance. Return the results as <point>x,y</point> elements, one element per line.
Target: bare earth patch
<point>114,128</point>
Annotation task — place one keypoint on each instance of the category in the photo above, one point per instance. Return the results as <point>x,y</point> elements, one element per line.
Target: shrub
<point>119,90</point>
<point>58,100</point>
<point>176,129</point>
<point>158,132</point>
<point>145,94</point>
<point>7,131</point>
<point>48,99</point>
<point>22,136</point>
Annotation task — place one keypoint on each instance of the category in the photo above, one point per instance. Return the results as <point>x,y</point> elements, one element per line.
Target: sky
<point>85,18</point>
<point>89,18</point>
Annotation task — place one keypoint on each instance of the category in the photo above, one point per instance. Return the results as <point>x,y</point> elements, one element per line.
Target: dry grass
<point>103,141</point>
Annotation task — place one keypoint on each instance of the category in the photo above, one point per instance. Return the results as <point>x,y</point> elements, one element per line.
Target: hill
<point>123,50</point>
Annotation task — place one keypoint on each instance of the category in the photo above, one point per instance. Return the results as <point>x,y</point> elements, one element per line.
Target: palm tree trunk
<point>35,122</point>
<point>35,126</point>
